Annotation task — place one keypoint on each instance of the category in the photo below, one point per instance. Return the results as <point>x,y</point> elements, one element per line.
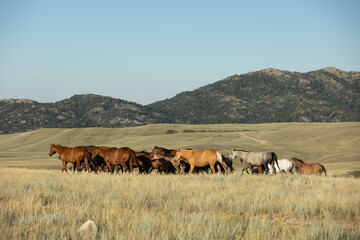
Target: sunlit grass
<point>38,204</point>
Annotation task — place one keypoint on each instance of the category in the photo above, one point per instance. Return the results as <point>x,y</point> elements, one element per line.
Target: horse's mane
<point>298,159</point>
<point>167,151</point>
<point>144,151</point>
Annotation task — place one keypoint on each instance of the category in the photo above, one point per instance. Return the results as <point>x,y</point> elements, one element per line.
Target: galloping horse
<point>255,159</point>
<point>117,156</point>
<point>303,168</point>
<point>70,155</point>
<point>199,159</point>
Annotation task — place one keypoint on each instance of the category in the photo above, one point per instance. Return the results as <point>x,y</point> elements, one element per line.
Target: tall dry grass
<point>45,204</point>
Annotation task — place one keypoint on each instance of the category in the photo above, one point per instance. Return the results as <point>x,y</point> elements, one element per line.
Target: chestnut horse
<point>197,158</point>
<point>303,168</point>
<point>70,155</point>
<point>117,156</point>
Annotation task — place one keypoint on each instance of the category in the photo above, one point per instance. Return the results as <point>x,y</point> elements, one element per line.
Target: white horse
<point>285,165</point>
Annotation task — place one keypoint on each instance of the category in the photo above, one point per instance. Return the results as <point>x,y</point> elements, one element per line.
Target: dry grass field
<point>45,204</point>
<point>37,201</point>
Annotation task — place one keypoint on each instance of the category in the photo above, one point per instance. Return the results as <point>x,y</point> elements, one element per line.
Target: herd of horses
<point>184,161</point>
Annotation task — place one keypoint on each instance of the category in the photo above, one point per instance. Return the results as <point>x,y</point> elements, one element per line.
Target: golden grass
<point>45,204</point>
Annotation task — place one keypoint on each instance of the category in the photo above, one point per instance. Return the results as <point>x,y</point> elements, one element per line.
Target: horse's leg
<point>108,167</point>
<point>191,168</point>
<point>273,167</point>
<point>78,166</point>
<point>266,168</point>
<point>219,168</point>
<point>132,166</point>
<point>245,168</point>
<point>125,167</point>
<point>87,164</point>
<point>212,168</point>
<point>64,167</point>
<point>73,167</point>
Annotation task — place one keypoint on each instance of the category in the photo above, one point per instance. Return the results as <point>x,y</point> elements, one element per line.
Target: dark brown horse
<point>144,160</point>
<point>70,155</point>
<point>98,161</point>
<point>163,166</point>
<point>303,168</point>
<point>117,156</point>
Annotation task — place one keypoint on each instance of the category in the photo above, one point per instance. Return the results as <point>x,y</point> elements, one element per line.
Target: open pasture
<point>37,201</point>
<point>45,204</point>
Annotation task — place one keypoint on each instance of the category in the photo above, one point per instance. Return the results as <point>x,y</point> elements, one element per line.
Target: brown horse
<point>117,156</point>
<point>70,155</point>
<point>197,158</point>
<point>159,152</point>
<point>303,168</point>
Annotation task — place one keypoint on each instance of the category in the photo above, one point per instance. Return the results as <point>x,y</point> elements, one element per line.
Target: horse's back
<point>285,163</point>
<point>75,153</point>
<point>199,158</point>
<point>258,158</point>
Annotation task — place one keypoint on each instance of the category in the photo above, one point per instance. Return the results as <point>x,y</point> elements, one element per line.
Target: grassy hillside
<point>45,204</point>
<point>336,145</point>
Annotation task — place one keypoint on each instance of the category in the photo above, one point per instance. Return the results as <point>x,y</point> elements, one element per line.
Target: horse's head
<point>97,152</point>
<point>176,160</point>
<point>158,152</point>
<point>233,155</point>
<point>154,153</point>
<point>52,149</point>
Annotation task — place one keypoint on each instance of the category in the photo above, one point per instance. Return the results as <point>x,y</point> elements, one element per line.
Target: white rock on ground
<point>88,227</point>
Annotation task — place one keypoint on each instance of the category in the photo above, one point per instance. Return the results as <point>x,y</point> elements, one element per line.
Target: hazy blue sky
<point>145,51</point>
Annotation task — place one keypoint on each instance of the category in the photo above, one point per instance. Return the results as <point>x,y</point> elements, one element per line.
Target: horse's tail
<point>323,168</point>
<point>220,160</point>
<point>228,162</point>
<point>86,158</point>
<point>293,166</point>
<point>275,159</point>
<point>93,162</point>
<point>134,159</point>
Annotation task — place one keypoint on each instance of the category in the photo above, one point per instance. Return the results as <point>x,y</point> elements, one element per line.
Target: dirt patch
<point>258,140</point>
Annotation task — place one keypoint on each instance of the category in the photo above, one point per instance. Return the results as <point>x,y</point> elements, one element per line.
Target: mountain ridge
<point>268,95</point>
